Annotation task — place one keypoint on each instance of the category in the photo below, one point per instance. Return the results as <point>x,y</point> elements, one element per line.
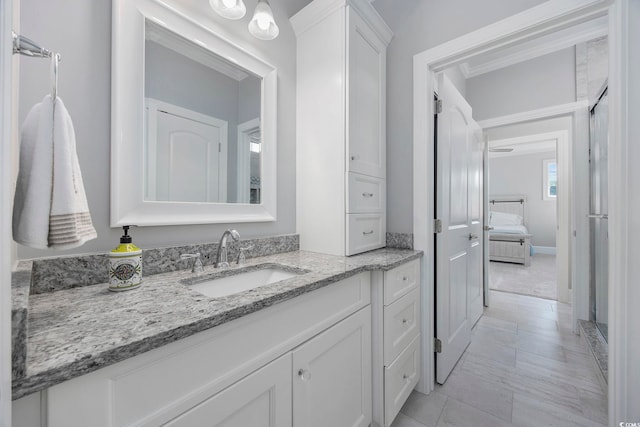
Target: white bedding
<point>509,229</point>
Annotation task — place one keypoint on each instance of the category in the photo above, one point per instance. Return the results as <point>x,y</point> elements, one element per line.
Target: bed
<point>509,237</point>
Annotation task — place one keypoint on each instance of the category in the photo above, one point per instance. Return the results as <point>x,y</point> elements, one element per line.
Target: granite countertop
<point>75,331</point>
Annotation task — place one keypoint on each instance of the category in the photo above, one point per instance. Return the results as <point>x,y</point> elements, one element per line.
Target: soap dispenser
<point>125,264</point>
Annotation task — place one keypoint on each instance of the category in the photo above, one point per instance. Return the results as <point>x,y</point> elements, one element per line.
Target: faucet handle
<point>241,256</point>
<point>197,266</point>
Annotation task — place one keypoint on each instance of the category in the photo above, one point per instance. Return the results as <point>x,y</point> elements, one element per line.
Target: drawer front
<point>400,378</point>
<point>365,232</point>
<point>366,194</point>
<point>401,325</point>
<point>401,280</point>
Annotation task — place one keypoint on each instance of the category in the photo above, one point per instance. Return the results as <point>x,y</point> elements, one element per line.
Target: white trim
<point>547,250</point>
<point>623,396</point>
<point>244,160</point>
<point>6,191</point>
<point>543,18</point>
<point>541,113</point>
<point>559,40</point>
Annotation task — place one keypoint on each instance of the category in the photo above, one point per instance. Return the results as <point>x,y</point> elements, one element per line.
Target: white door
<point>475,278</point>
<point>185,155</point>
<point>458,247</point>
<point>332,376</point>
<point>263,399</point>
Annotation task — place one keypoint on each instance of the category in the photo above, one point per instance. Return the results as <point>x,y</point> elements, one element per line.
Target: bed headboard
<point>514,204</point>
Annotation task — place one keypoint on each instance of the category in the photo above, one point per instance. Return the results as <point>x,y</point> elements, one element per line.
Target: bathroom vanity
<point>337,344</point>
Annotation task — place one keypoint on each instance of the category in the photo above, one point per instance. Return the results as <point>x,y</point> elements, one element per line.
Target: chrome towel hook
<point>55,60</point>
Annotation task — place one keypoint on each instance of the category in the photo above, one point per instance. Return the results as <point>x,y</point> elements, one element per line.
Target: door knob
<point>304,374</point>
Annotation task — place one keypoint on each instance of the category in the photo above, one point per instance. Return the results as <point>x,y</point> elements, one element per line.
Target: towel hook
<point>55,60</point>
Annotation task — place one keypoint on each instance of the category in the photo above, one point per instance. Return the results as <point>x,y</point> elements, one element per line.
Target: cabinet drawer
<point>400,325</point>
<point>365,232</point>
<point>401,280</point>
<point>400,378</point>
<point>366,194</point>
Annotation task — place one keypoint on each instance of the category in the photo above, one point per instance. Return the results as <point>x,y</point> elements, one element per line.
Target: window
<point>550,179</point>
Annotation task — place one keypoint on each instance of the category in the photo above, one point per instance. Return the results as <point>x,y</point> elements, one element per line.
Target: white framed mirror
<point>193,122</point>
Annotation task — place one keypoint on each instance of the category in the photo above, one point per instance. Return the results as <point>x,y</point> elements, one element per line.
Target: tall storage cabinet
<point>341,132</point>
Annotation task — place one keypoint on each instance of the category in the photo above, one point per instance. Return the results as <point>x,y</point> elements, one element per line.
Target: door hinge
<point>437,226</point>
<point>437,106</point>
<point>437,345</point>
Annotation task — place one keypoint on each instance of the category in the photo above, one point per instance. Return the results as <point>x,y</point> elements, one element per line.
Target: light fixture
<point>262,25</point>
<point>230,9</point>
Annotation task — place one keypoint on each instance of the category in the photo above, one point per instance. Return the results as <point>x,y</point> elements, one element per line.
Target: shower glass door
<point>598,165</point>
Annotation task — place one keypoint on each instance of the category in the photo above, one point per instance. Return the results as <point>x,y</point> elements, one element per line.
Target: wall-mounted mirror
<point>193,121</point>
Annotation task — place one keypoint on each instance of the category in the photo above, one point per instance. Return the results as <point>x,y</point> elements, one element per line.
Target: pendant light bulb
<point>262,25</point>
<point>230,9</point>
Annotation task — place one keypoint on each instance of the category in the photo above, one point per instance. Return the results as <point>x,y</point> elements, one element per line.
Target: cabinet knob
<point>405,278</point>
<point>405,376</point>
<point>304,374</point>
<point>367,194</point>
<point>404,321</point>
<point>355,157</point>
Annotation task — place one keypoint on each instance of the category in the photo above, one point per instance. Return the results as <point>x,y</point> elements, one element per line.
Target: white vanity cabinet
<point>332,383</point>
<point>262,399</point>
<point>238,374</point>
<point>396,351</point>
<point>341,132</point>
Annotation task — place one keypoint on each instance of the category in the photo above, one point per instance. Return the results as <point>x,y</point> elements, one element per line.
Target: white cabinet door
<point>262,399</point>
<point>332,376</point>
<point>366,99</point>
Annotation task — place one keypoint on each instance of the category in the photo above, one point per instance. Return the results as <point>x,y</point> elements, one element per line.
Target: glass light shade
<point>262,25</point>
<point>230,9</point>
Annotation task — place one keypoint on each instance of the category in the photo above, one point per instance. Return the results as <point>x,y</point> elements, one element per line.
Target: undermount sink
<point>233,282</point>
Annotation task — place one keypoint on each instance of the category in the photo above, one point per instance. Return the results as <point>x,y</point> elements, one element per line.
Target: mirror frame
<point>128,206</point>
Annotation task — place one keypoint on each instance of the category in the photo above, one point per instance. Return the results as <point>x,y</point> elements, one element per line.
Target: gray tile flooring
<point>524,367</point>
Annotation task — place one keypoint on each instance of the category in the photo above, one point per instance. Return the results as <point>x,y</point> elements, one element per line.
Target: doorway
<point>513,31</point>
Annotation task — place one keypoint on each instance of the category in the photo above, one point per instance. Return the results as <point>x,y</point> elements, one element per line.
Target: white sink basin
<point>240,282</point>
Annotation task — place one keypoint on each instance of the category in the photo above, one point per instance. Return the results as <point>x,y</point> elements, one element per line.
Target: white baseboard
<point>549,250</point>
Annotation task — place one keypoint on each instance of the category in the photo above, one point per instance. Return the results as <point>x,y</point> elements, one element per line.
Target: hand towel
<point>50,208</point>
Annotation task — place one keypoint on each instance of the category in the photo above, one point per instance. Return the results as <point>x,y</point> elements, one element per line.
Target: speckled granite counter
<point>75,331</point>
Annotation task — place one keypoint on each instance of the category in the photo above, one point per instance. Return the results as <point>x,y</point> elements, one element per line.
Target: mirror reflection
<point>202,135</point>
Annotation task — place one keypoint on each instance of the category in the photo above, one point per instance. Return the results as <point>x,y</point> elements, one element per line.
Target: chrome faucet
<point>221,258</point>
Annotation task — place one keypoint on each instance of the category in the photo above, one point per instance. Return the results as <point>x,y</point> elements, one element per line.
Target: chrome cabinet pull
<point>367,194</point>
<point>367,232</point>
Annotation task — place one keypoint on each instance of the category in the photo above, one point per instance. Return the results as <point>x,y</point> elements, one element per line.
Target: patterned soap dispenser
<point>125,264</point>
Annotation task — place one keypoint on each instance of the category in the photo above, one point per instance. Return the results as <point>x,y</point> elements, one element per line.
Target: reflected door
<point>599,230</point>
<point>186,157</point>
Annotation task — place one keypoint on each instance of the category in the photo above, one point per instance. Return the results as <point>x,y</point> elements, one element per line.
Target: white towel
<point>50,207</point>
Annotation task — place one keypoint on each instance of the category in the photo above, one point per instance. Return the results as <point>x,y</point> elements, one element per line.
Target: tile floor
<point>524,367</point>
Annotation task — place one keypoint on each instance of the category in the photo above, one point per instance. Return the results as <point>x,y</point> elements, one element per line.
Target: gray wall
<point>540,82</point>
<point>81,31</point>
<point>523,175</point>
<point>419,25</point>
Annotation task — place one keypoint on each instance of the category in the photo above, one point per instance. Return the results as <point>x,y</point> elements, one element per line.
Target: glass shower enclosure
<point>598,223</point>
